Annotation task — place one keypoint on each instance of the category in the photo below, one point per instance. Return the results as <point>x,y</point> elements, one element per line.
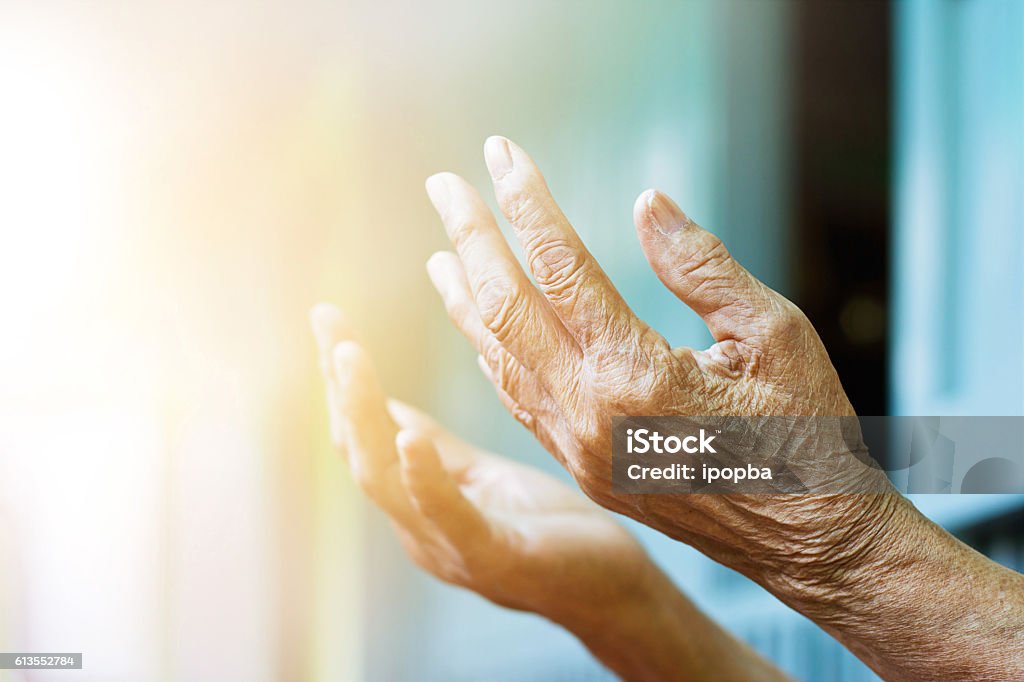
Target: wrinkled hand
<point>471,518</point>
<point>568,354</point>
<point>516,535</point>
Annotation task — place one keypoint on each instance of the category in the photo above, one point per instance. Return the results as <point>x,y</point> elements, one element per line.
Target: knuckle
<point>520,414</point>
<point>494,356</point>
<point>460,227</point>
<point>589,432</point>
<point>556,265</point>
<point>502,308</point>
<point>786,320</point>
<point>505,371</point>
<point>519,206</point>
<point>461,310</point>
<point>524,418</point>
<point>595,486</point>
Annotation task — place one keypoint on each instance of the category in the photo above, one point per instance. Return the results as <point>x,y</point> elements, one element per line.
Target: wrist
<point>630,612</point>
<point>855,544</point>
<point>656,633</point>
<point>636,634</point>
<point>909,599</point>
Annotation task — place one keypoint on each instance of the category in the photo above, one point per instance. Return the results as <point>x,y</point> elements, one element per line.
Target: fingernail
<point>437,190</point>
<point>498,157</point>
<point>665,216</point>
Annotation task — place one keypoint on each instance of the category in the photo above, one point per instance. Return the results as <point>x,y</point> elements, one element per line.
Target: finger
<point>450,281</point>
<point>508,304</point>
<point>696,267</point>
<point>437,496</point>
<point>456,454</point>
<point>578,290</point>
<point>519,390</point>
<point>408,417</point>
<point>329,329</point>
<point>369,431</point>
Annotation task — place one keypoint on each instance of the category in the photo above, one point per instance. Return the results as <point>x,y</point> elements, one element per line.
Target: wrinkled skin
<point>568,354</point>
<point>517,536</point>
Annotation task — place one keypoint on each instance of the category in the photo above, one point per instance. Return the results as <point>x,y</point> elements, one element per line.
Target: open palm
<point>521,538</point>
<point>507,531</point>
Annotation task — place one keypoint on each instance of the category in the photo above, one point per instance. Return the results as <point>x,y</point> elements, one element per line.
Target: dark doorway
<point>841,126</point>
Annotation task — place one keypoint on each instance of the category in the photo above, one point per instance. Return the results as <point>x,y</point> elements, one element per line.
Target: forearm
<point>662,636</point>
<point>915,603</point>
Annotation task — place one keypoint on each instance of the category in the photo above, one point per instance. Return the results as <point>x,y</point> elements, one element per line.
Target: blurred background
<point>179,182</point>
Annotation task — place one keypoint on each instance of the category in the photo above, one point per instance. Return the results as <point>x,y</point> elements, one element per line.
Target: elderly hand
<point>515,535</point>
<point>568,354</point>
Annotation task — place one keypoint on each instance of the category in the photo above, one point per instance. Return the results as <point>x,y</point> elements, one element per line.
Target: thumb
<point>696,267</point>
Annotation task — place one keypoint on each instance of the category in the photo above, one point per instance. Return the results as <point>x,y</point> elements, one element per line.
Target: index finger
<point>509,306</point>
<point>370,432</point>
